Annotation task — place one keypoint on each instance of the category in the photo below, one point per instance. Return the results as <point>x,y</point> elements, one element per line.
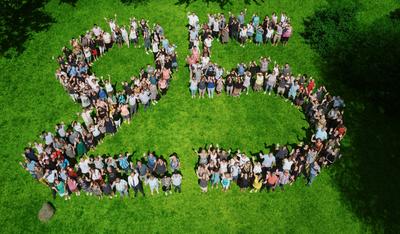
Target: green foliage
<point>330,26</point>
<point>18,20</point>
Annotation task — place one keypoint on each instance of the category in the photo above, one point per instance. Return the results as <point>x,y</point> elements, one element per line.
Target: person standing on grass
<point>193,86</point>
<point>278,34</point>
<point>269,34</point>
<point>147,40</point>
<point>257,183</point>
<point>144,98</point>
<point>60,188</point>
<point>202,87</point>
<point>315,169</point>
<point>271,181</point>
<point>176,179</point>
<point>132,102</point>
<point>284,179</point>
<point>204,182</point>
<point>135,183</point>
<point>271,82</point>
<point>153,183</point>
<point>210,86</point>
<point>287,33</point>
<point>125,36</point>
<point>121,186</point>
<point>166,184</point>
<point>293,90</point>
<point>174,162</point>
<point>226,181</point>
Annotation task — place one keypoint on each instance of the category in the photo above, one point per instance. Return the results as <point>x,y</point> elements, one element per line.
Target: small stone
<point>46,212</point>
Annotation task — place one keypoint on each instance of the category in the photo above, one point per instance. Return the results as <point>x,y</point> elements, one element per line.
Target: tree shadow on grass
<point>19,19</point>
<point>361,63</point>
<point>221,3</point>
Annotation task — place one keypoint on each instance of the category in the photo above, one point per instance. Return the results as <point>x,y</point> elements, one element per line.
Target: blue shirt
<point>72,71</point>
<point>123,162</point>
<point>102,94</point>
<point>241,70</point>
<point>151,161</point>
<point>31,166</point>
<point>321,134</point>
<point>165,43</point>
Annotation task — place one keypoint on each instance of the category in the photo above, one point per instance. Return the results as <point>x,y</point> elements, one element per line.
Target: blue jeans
<point>193,91</point>
<point>311,179</point>
<point>123,193</point>
<point>268,88</point>
<point>146,106</point>
<point>210,92</point>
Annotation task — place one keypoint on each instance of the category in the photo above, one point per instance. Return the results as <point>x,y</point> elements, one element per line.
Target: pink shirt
<point>287,32</point>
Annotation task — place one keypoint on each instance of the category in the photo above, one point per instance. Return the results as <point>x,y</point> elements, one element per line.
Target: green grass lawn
<point>32,100</point>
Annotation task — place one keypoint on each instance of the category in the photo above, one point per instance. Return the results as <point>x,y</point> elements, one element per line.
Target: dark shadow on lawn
<point>19,19</point>
<point>361,63</point>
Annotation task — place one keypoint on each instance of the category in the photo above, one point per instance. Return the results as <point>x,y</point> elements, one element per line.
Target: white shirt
<point>155,47</point>
<point>107,38</point>
<point>87,118</point>
<point>287,165</point>
<point>269,33</point>
<point>61,131</point>
<point>112,25</point>
<point>216,26</point>
<point>133,181</point>
<point>208,42</point>
<point>96,175</point>
<point>48,138</point>
<point>109,87</point>
<point>121,186</point>
<point>84,166</point>
<point>96,31</point>
<point>193,20</point>
<point>124,34</point>
<point>133,34</point>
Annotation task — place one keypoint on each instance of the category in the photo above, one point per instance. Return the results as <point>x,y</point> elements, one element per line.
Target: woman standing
<point>259,35</point>
<point>229,85</point>
<point>202,86</point>
<point>225,35</point>
<point>153,184</point>
<point>246,82</point>
<point>210,87</point>
<point>193,86</point>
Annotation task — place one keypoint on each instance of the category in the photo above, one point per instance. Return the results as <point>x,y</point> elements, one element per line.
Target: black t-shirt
<point>238,84</point>
<point>282,83</point>
<point>254,70</point>
<point>229,82</point>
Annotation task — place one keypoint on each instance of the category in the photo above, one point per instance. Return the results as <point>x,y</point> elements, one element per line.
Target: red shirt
<point>272,179</point>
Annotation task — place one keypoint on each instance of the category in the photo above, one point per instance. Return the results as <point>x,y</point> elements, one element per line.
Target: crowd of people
<point>270,29</point>
<point>61,161</point>
<point>283,164</point>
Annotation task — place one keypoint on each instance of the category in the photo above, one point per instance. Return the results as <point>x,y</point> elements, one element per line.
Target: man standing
<point>135,183</point>
<point>176,181</point>
<point>121,186</point>
<point>315,169</point>
<point>144,97</point>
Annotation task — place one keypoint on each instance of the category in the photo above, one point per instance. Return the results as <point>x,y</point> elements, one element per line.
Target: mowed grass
<point>32,100</point>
